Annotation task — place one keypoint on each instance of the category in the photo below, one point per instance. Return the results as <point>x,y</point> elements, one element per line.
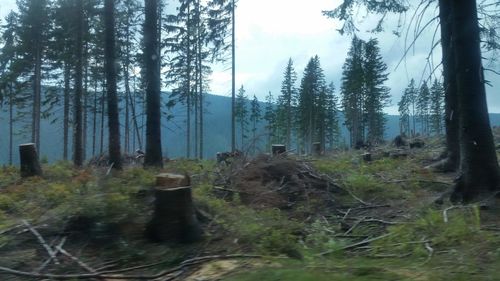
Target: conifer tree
<point>270,119</point>
<point>287,101</point>
<point>241,113</point>
<point>423,104</point>
<point>376,93</point>
<point>255,117</point>
<point>312,85</point>
<point>436,108</point>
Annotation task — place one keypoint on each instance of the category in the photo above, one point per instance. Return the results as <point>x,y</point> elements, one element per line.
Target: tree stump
<point>174,218</point>
<point>316,146</point>
<point>367,157</point>
<point>29,160</point>
<point>278,149</point>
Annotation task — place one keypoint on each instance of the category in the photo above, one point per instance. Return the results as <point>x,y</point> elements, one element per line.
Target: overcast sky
<point>269,32</point>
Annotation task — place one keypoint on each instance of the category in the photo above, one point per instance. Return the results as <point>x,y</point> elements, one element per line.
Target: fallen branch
<point>348,247</point>
<point>41,240</point>
<point>75,259</point>
<point>7,230</point>
<point>47,262</point>
<point>107,275</point>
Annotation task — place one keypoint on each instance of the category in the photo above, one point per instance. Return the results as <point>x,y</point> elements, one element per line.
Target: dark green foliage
<point>363,92</point>
<point>241,115</point>
<point>287,103</point>
<point>347,10</point>
<point>407,109</point>
<point>436,108</point>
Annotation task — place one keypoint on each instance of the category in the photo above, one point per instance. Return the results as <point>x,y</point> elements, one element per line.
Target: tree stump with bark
<point>30,166</point>
<point>316,146</point>
<point>367,157</point>
<point>278,149</point>
<point>174,218</point>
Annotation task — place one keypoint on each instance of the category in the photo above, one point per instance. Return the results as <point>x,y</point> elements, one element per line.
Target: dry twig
<point>42,241</point>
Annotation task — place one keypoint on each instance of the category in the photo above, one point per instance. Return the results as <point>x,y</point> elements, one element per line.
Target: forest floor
<point>336,217</point>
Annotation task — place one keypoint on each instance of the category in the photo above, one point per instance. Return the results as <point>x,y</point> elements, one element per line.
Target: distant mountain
<point>217,131</point>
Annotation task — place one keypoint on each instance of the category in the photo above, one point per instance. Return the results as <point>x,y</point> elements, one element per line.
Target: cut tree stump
<point>367,157</point>
<point>30,166</point>
<point>316,148</point>
<point>278,149</point>
<point>174,218</point>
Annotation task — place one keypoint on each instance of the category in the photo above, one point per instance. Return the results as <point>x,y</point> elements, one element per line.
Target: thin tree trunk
<point>233,81</point>
<point>11,123</point>
<point>66,111</point>
<point>94,120</point>
<point>451,162</point>
<point>134,117</point>
<point>78,122</point>
<point>35,133</point>
<point>103,98</point>
<point>85,98</point>
<point>478,161</point>
<point>188,84</point>
<point>153,157</point>
<point>112,96</point>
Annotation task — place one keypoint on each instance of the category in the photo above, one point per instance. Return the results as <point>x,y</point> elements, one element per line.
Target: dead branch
<point>75,259</point>
<point>47,262</point>
<point>355,245</point>
<point>354,225</point>
<point>41,240</point>
<point>107,275</point>
<point>7,230</point>
<point>445,212</point>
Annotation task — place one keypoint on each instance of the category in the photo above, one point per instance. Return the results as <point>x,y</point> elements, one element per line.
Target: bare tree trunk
<point>103,97</point>
<point>37,93</point>
<point>233,81</point>
<point>112,97</point>
<point>94,120</point>
<point>78,122</point>
<point>85,101</point>
<point>153,157</point>
<point>11,123</point>
<point>67,74</point>
<point>479,171</point>
<point>450,86</point>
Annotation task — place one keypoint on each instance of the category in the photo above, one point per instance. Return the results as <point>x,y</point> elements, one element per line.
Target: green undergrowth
<point>381,179</point>
<point>422,246</point>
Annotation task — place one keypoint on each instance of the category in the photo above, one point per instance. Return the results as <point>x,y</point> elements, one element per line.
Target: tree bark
<point>233,80</point>
<point>66,111</point>
<point>78,122</point>
<point>112,98</point>
<point>174,217</point>
<point>29,160</point>
<point>451,162</point>
<point>11,123</point>
<point>153,157</point>
<point>479,171</point>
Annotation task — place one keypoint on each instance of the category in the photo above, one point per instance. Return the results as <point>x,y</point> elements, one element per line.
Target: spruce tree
<point>241,113</point>
<point>376,94</point>
<point>255,117</point>
<point>436,108</point>
<point>287,101</point>
<point>423,104</point>
<point>311,87</point>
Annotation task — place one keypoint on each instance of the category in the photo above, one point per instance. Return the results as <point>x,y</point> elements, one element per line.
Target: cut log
<point>30,166</point>
<point>316,146</point>
<point>174,218</point>
<point>367,157</point>
<point>278,149</point>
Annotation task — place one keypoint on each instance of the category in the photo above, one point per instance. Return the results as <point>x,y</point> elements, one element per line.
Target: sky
<point>269,32</point>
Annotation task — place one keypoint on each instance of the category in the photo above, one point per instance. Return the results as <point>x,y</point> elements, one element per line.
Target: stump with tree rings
<point>30,166</point>
<point>174,218</point>
<point>278,149</point>
<point>316,147</point>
